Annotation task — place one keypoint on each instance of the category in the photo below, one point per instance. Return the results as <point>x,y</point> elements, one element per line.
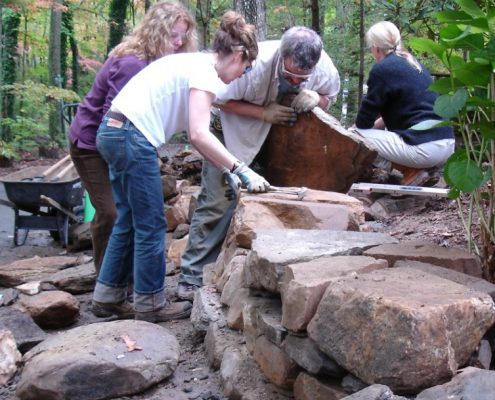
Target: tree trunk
<point>1,67</point>
<point>361,51</point>
<point>68,40</point>
<point>54,72</point>
<point>203,17</point>
<point>116,21</point>
<point>254,11</point>
<point>10,28</point>
<point>315,16</point>
<point>24,47</point>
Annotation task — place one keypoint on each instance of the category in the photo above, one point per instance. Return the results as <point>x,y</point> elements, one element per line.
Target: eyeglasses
<point>304,77</point>
<point>178,35</point>
<point>245,53</point>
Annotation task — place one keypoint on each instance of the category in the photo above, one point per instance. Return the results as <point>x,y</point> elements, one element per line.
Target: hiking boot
<point>122,310</point>
<point>170,311</point>
<point>185,291</point>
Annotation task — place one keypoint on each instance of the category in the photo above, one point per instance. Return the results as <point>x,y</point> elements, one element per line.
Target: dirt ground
<point>432,220</point>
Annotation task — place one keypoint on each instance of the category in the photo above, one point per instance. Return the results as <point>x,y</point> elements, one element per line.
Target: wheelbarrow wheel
<point>62,234</point>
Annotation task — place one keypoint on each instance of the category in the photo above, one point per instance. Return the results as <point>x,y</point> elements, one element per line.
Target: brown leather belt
<point>116,115</point>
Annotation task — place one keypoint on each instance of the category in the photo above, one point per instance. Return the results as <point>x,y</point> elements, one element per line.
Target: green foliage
<point>35,101</point>
<point>7,151</point>
<point>466,48</point>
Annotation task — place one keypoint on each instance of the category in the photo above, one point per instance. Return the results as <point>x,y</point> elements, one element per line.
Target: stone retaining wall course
<point>456,259</point>
<point>304,284</point>
<point>401,327</point>
<point>273,250</point>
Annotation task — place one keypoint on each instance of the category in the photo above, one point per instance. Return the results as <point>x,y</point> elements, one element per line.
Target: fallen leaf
<point>131,344</point>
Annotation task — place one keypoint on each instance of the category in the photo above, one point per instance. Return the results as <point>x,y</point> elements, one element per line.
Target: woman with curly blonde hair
<point>156,36</point>
<point>166,28</point>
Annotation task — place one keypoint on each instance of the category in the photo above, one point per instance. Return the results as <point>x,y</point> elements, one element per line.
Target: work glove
<point>277,114</point>
<point>305,100</point>
<point>253,182</point>
<point>234,185</point>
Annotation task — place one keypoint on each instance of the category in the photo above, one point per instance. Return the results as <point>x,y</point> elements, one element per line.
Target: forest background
<point>50,51</point>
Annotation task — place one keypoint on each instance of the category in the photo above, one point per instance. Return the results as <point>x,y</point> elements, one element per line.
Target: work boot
<point>122,310</point>
<point>186,291</point>
<point>170,311</point>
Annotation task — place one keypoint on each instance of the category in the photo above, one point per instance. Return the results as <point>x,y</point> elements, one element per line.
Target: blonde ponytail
<point>385,36</point>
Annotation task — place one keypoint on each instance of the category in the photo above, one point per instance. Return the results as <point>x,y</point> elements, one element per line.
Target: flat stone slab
<point>75,280</point>
<point>274,249</point>
<point>469,383</point>
<point>93,362</point>
<point>478,284</point>
<point>33,269</point>
<point>401,327</point>
<point>266,212</point>
<point>452,258</point>
<point>27,333</point>
<point>375,392</point>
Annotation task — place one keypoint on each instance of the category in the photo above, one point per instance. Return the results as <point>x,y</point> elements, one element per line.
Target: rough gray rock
<point>470,384</point>
<point>93,362</point>
<point>401,327</point>
<point>26,333</point>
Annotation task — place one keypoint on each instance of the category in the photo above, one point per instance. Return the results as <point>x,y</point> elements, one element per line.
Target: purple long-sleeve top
<point>114,74</point>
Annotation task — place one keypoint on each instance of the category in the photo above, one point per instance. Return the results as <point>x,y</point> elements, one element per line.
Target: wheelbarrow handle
<point>55,166</point>
<point>8,203</point>
<point>63,172</point>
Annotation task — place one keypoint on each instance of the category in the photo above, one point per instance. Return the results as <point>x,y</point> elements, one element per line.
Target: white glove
<point>234,183</point>
<point>277,114</point>
<point>253,182</point>
<point>305,100</point>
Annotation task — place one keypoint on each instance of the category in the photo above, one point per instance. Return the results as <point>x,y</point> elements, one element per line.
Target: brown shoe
<point>416,177</point>
<point>412,176</point>
<point>122,310</point>
<point>179,310</point>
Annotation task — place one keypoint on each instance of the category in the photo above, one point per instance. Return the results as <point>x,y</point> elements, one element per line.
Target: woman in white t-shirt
<point>170,95</point>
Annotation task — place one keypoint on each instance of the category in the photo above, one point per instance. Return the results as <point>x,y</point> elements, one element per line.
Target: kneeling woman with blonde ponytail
<point>397,99</point>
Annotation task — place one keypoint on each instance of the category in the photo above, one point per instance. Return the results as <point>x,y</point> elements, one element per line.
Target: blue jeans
<point>210,221</point>
<point>137,192</point>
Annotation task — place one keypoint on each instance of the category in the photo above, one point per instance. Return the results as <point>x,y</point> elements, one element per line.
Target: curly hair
<point>151,38</point>
<point>236,34</point>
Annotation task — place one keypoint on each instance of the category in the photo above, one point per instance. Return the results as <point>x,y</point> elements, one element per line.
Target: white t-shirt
<point>156,100</point>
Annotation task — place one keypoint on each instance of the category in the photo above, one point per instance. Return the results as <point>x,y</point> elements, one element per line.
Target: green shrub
<point>466,47</point>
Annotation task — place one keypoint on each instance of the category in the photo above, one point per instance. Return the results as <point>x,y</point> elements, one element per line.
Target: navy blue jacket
<point>399,94</point>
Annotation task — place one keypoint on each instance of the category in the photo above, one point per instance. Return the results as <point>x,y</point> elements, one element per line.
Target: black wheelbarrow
<point>51,205</point>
